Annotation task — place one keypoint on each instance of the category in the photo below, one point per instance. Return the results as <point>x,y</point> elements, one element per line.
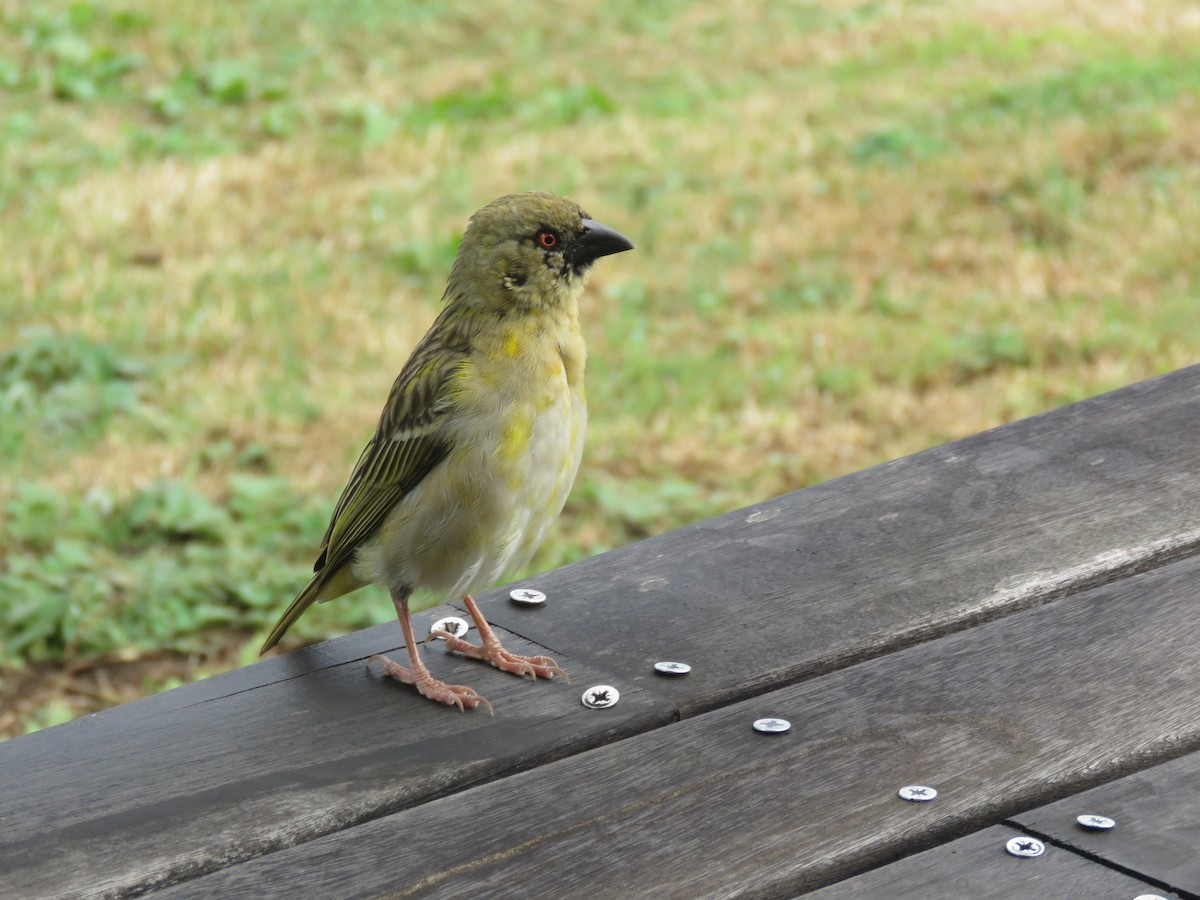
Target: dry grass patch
<point>862,229</point>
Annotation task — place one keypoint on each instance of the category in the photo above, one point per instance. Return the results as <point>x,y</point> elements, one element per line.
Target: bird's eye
<point>548,240</point>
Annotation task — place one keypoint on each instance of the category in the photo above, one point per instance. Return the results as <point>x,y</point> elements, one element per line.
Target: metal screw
<point>601,696</point>
<point>527,597</point>
<point>772,726</point>
<point>1025,846</point>
<point>918,793</point>
<point>1149,897</point>
<point>452,625</point>
<point>1096,823</point>
<point>672,668</point>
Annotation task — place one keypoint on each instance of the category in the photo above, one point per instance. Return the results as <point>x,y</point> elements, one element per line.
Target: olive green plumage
<point>482,433</point>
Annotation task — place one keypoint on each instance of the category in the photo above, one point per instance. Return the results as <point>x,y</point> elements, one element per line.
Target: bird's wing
<point>408,442</point>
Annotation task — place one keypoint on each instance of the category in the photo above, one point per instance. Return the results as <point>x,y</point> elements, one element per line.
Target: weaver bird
<point>480,438</point>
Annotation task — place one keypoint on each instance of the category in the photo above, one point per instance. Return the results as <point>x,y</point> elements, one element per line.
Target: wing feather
<point>408,442</point>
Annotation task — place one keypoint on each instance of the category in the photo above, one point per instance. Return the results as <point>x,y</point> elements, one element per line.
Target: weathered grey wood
<point>149,793</point>
<point>1158,822</point>
<point>283,667</point>
<point>978,868</point>
<point>890,556</point>
<point>789,589</point>
<point>998,718</point>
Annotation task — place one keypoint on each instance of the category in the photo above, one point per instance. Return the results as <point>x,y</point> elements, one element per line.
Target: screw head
<point>600,696</point>
<point>772,725</point>
<point>917,793</point>
<point>1096,823</point>
<point>1149,897</point>
<point>1025,846</point>
<point>672,668</point>
<point>452,625</point>
<point>526,597</point>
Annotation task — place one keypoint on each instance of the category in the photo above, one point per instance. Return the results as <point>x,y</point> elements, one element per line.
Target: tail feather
<point>324,585</point>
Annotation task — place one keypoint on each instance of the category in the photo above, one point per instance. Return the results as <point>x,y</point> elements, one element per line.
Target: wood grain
<point>890,556</point>
<point>1158,823</point>
<point>307,744</point>
<point>148,794</point>
<point>978,868</point>
<point>999,718</point>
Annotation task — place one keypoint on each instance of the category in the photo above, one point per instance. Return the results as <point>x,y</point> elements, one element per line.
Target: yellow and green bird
<point>480,438</point>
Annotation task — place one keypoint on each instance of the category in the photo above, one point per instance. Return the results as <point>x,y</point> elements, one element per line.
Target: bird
<point>479,440</point>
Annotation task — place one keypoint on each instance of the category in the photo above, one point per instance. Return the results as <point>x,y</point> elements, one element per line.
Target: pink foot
<point>428,686</point>
<point>534,666</point>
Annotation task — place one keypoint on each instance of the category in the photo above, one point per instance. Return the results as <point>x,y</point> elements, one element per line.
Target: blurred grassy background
<point>864,227</point>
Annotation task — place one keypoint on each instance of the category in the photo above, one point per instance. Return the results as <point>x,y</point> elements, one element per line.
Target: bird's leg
<point>534,666</point>
<point>416,673</point>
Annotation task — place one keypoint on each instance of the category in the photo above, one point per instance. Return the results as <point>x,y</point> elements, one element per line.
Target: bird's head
<point>529,251</point>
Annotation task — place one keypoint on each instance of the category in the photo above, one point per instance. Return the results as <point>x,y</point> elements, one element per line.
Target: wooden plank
<point>299,664</point>
<point>1158,823</point>
<point>884,558</point>
<point>979,868</point>
<point>998,718</point>
<point>837,573</point>
<point>148,793</point>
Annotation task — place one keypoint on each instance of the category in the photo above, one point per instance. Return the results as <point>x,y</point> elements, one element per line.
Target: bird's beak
<point>598,240</point>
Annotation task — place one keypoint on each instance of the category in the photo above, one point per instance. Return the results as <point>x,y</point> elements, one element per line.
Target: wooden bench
<point>1012,619</point>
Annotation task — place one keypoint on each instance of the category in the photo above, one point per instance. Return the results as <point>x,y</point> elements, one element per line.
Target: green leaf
<point>227,81</point>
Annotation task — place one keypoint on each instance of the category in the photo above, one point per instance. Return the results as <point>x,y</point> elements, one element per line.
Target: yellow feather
<point>482,434</point>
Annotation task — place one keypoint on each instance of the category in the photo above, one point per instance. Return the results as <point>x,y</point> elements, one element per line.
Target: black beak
<point>596,241</point>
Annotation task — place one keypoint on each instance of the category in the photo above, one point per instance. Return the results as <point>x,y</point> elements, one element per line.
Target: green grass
<point>87,575</point>
<point>863,228</point>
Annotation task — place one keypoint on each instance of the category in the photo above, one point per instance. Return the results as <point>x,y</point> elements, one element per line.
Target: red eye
<point>548,239</point>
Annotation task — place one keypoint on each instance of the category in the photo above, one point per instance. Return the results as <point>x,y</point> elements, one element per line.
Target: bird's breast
<point>516,441</point>
<point>537,437</point>
<point>526,417</point>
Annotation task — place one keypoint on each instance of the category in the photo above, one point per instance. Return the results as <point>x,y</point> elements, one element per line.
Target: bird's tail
<point>324,585</point>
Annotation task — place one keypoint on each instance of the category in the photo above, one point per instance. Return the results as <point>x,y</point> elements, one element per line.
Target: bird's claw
<point>451,694</point>
<point>534,666</point>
